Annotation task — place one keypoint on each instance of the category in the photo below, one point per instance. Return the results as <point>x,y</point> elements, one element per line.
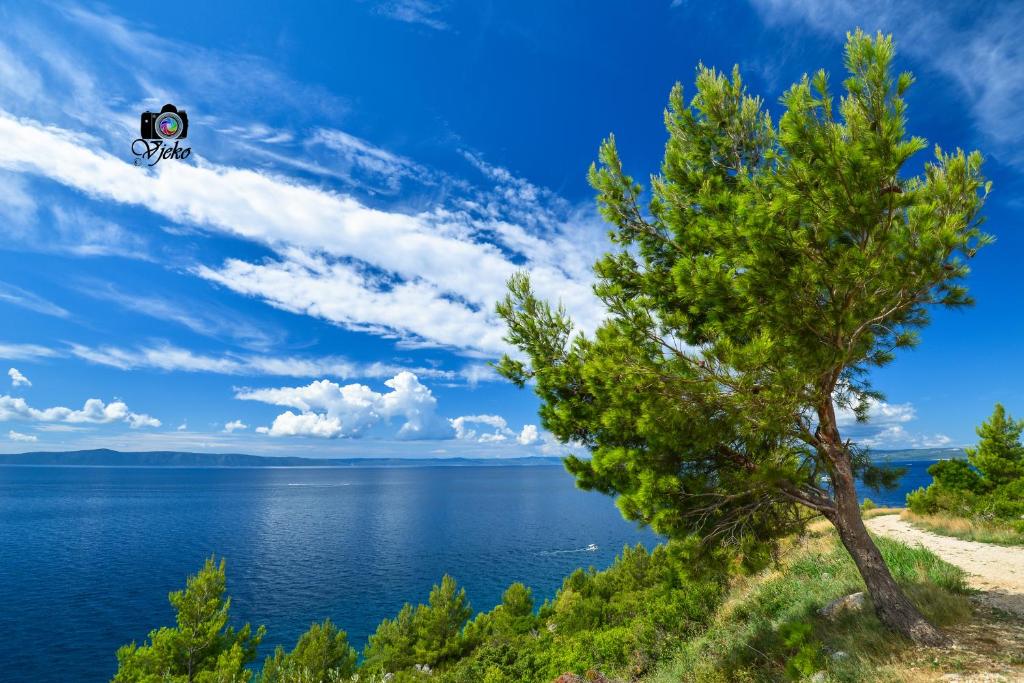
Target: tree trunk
<point>892,606</point>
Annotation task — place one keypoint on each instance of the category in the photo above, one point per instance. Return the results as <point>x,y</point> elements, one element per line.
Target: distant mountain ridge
<point>919,454</point>
<point>104,457</point>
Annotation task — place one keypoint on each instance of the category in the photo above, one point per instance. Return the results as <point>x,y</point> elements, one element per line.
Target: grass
<point>967,529</point>
<point>769,628</point>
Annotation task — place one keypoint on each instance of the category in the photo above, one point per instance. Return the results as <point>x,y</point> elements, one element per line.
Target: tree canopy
<point>773,266</point>
<point>202,648</point>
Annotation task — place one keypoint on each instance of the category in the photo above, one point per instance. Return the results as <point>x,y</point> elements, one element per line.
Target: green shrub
<point>988,486</point>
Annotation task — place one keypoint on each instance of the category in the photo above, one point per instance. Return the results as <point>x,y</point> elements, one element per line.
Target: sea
<point>89,554</point>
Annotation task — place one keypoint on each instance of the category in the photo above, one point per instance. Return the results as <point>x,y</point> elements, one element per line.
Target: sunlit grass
<point>967,529</point>
<point>769,628</point>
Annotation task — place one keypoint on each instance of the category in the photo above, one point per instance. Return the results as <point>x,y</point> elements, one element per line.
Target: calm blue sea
<point>88,555</point>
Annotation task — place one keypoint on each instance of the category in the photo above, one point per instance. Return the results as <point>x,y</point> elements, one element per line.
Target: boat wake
<point>592,548</point>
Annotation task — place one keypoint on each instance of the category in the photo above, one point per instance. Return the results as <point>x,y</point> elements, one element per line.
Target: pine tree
<point>999,456</point>
<point>322,655</point>
<point>439,623</point>
<point>202,648</point>
<point>773,267</point>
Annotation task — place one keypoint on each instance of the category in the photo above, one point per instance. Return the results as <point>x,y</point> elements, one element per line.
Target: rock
<point>854,602</point>
<point>819,677</point>
<point>838,655</point>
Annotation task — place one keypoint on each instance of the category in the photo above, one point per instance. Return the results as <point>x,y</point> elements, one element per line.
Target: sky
<point>318,277</point>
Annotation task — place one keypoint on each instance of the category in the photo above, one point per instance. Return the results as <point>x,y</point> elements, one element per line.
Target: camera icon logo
<point>167,124</point>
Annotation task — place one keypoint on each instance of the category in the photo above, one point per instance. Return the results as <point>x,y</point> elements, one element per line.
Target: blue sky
<point>319,276</point>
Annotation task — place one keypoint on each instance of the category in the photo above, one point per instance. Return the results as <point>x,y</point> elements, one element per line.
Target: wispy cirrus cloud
<point>421,12</point>
<point>26,352</point>
<point>427,274</point>
<point>16,296</point>
<point>206,319</point>
<point>171,358</point>
<point>432,275</point>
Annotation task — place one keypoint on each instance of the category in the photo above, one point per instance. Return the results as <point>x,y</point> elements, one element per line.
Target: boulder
<point>853,602</point>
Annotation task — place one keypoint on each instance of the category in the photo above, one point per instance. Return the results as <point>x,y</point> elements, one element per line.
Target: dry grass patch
<point>966,529</point>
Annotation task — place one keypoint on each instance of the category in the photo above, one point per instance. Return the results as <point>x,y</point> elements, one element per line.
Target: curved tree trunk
<point>892,605</point>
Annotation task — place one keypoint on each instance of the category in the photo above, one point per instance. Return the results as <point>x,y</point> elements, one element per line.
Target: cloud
<point>18,436</point>
<point>351,153</point>
<point>26,352</point>
<point>218,322</point>
<point>463,428</point>
<point>886,427</point>
<point>183,427</point>
<point>18,379</point>
<point>422,275</point>
<point>307,424</point>
<point>93,411</point>
<point>420,12</point>
<point>441,268</point>
<point>468,428</point>
<point>331,410</point>
<point>528,436</point>
<point>17,296</point>
<point>980,51</point>
<point>234,425</point>
<point>896,436</point>
<point>879,413</point>
<point>170,358</point>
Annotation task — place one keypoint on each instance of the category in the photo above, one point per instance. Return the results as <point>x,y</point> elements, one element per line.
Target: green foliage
<point>618,620</point>
<point>625,622</point>
<point>429,635</point>
<point>322,655</point>
<point>868,504</point>
<point>392,646</point>
<point>999,456</point>
<point>989,485</point>
<point>773,265</point>
<point>805,656</point>
<point>202,648</point>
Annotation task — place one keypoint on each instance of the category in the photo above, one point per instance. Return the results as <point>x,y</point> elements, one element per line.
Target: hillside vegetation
<point>649,617</point>
<point>980,498</point>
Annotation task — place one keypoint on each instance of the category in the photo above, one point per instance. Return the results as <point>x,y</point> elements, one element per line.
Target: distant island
<point>104,457</point>
<point>919,454</point>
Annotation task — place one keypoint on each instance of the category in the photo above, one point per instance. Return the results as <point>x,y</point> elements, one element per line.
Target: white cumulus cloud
<point>235,425</point>
<point>331,410</point>
<point>528,436</point>
<point>94,411</point>
<point>18,379</point>
<point>304,424</point>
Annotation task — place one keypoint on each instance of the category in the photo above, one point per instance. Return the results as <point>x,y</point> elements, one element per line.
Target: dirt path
<point>996,570</point>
